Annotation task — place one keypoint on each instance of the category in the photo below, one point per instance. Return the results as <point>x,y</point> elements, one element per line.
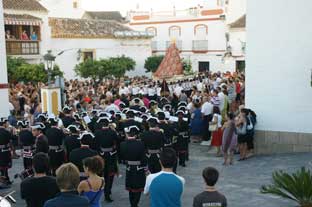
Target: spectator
<point>165,188</point>
<point>242,139</point>
<point>40,188</point>
<point>229,139</point>
<point>34,36</point>
<point>196,124</point>
<point>217,135</point>
<point>67,178</point>
<point>210,197</point>
<point>24,36</point>
<point>93,187</point>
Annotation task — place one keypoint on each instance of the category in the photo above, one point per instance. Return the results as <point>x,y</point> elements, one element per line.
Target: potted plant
<point>296,186</point>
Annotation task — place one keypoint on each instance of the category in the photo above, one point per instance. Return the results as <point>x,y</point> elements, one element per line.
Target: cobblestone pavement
<point>240,182</point>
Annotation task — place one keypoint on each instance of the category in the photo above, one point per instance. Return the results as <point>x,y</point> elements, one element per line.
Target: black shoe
<point>108,199</point>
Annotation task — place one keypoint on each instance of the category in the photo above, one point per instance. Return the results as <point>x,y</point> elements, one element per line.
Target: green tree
<point>35,73</point>
<point>21,71</point>
<point>88,69</point>
<point>187,67</point>
<point>120,65</point>
<point>103,68</point>
<point>13,64</point>
<point>152,63</point>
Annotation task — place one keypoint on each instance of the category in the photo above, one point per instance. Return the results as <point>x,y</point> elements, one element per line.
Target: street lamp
<point>49,64</point>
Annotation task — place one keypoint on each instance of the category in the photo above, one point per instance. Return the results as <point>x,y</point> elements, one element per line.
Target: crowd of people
<point>144,124</point>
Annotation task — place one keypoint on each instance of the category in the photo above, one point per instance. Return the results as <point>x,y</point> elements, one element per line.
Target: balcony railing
<point>22,47</point>
<point>200,45</point>
<point>178,44</point>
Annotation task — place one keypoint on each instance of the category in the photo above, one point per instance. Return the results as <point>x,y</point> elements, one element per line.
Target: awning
<point>21,19</point>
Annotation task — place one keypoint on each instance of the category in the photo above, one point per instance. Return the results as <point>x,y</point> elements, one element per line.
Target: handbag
<point>213,127</point>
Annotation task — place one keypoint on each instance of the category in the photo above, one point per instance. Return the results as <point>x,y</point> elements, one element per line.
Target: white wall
<point>4,106</point>
<point>139,50</point>
<point>63,8</point>
<point>237,36</point>
<point>279,64</point>
<point>235,9</point>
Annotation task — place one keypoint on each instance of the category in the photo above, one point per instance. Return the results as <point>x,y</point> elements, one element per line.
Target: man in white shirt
<point>206,111</point>
<point>178,90</point>
<point>221,98</point>
<point>165,188</point>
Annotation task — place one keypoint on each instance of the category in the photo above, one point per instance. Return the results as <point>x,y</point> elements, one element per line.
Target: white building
<point>64,27</point>
<point>29,16</point>
<point>199,33</point>
<point>83,38</point>
<point>279,74</point>
<point>4,93</point>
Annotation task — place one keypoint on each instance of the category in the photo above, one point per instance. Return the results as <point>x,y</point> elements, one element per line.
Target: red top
<point>25,37</point>
<point>238,88</point>
<point>87,99</point>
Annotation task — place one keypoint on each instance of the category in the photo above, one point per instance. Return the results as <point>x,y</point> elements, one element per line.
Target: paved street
<point>240,182</point>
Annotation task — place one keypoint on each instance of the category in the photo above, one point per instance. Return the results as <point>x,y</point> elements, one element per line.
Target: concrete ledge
<point>273,142</point>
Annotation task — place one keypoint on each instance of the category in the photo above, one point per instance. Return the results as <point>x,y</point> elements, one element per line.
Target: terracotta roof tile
<point>105,15</point>
<point>26,5</point>
<point>84,28</point>
<point>240,23</point>
<point>20,17</point>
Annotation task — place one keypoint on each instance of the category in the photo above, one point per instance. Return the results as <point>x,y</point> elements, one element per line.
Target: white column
<point>4,93</point>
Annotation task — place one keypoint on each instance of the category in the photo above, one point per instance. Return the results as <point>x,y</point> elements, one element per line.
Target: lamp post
<point>49,59</point>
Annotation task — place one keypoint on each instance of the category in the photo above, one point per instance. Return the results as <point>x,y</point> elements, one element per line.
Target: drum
<point>4,202</point>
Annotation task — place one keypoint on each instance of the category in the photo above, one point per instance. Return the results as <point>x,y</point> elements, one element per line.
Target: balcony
<point>178,44</point>
<point>200,45</point>
<point>22,47</point>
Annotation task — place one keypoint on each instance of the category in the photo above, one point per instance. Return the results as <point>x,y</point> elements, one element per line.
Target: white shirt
<point>151,91</point>
<point>219,117</point>
<point>207,108</point>
<point>178,91</point>
<point>222,99</point>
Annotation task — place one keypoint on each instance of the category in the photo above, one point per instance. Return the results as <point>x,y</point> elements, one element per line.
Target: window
<point>174,31</point>
<point>152,30</point>
<point>201,31</point>
<point>203,66</point>
<point>87,55</point>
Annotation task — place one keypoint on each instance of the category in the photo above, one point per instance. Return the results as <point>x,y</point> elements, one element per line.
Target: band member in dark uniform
<point>56,150</point>
<point>68,118</point>
<point>136,105</point>
<point>28,144</point>
<point>182,128</point>
<point>154,141</point>
<point>78,155</point>
<point>167,129</point>
<point>106,139</point>
<point>41,140</point>
<point>130,120</point>
<point>5,150</point>
<point>133,151</point>
<point>71,141</point>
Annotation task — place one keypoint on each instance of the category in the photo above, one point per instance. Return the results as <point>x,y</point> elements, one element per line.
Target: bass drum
<point>4,202</point>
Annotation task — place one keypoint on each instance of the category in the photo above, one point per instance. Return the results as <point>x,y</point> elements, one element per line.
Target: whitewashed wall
<point>235,9</point>
<point>4,106</point>
<point>237,36</point>
<point>63,8</point>
<point>139,50</point>
<point>279,64</point>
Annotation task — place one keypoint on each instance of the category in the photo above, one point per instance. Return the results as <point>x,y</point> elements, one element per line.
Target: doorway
<point>203,67</point>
